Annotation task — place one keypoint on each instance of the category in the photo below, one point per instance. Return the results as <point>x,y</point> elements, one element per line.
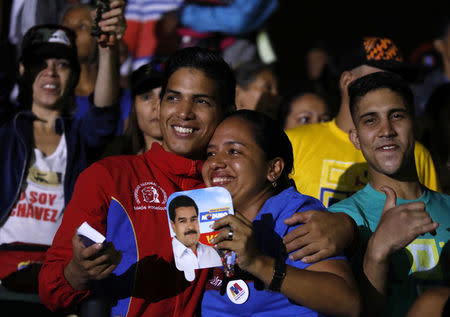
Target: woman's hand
<point>241,241</point>
<point>112,22</point>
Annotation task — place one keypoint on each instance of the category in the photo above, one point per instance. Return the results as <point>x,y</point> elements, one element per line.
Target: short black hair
<point>181,201</point>
<point>363,85</point>
<point>212,64</point>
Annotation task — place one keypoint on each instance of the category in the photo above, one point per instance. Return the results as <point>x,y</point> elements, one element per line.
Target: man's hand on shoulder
<point>322,235</point>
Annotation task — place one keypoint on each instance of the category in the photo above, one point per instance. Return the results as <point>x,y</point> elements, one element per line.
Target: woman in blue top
<point>252,157</point>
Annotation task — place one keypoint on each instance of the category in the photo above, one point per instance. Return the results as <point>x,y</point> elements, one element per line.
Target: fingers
<point>223,235</point>
<point>298,217</point>
<point>112,14</point>
<point>391,197</point>
<point>233,221</point>
<point>293,240</point>
<point>311,252</point>
<point>241,217</point>
<point>318,256</point>
<point>102,264</point>
<point>117,4</point>
<point>427,228</point>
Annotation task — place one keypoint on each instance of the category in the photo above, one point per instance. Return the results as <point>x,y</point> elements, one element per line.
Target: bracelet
<point>279,272</point>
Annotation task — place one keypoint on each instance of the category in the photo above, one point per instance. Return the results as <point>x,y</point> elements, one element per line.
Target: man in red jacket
<point>125,198</point>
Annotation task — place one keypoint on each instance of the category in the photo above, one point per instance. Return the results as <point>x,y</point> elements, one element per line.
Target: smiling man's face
<point>190,112</point>
<point>384,132</point>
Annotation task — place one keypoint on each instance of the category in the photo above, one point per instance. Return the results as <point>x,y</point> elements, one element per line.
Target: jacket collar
<point>185,172</point>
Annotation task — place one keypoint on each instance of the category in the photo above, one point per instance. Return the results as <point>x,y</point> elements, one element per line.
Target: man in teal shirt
<point>403,225</point>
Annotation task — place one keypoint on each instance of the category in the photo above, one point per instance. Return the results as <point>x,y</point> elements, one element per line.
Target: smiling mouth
<point>220,181</point>
<point>389,147</point>
<point>49,86</point>
<point>183,130</point>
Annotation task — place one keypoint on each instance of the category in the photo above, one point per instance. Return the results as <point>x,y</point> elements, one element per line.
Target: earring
<point>274,182</point>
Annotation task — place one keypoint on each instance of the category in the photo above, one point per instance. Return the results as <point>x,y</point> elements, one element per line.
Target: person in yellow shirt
<point>326,164</point>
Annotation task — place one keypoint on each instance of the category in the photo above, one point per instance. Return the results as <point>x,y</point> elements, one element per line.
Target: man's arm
<point>398,227</point>
<point>323,234</point>
<point>90,203</point>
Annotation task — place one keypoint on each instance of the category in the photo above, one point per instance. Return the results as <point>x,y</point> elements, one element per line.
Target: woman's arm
<point>107,83</point>
<point>327,286</point>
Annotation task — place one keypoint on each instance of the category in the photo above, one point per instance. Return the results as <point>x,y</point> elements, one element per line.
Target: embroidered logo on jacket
<point>150,195</point>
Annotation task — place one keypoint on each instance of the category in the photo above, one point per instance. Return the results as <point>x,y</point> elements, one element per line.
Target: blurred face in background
<point>260,95</point>
<point>316,59</point>
<point>147,111</point>
<point>305,109</point>
<point>79,19</point>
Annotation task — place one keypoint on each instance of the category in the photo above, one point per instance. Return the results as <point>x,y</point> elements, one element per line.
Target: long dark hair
<point>132,131</point>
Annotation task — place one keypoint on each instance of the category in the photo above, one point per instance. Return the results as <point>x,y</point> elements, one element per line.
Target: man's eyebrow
<point>173,91</point>
<point>204,96</point>
<point>367,114</point>
<point>398,110</point>
<point>213,146</point>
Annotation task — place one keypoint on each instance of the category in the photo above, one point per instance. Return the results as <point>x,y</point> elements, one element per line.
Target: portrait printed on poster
<point>190,214</point>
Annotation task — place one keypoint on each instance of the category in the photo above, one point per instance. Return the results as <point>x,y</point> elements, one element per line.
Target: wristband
<point>279,272</point>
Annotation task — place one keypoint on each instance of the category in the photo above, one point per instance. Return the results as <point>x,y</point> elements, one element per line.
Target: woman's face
<point>306,109</point>
<point>147,112</point>
<point>236,162</point>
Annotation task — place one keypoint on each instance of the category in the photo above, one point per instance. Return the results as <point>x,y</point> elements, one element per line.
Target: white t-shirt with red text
<point>38,213</point>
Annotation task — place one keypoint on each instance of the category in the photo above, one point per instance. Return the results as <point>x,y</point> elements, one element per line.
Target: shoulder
<point>438,197</point>
<point>350,205</point>
<point>420,149</point>
<point>292,194</point>
<point>290,201</point>
<point>308,129</point>
<point>115,165</point>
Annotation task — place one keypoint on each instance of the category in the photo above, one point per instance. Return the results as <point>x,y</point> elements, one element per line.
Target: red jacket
<point>124,197</point>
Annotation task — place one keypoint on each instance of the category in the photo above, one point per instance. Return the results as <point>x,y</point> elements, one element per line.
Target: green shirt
<point>414,268</point>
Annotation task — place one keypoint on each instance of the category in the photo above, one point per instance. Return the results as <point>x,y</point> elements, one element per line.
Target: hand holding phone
<point>102,7</point>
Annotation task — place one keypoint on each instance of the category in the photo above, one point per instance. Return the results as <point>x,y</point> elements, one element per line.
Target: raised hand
<point>113,23</point>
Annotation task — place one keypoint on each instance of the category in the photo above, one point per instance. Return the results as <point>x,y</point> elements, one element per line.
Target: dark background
<point>297,23</point>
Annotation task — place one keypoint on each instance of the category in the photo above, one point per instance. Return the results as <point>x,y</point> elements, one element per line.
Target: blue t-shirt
<point>125,107</point>
<point>418,266</point>
<point>269,229</point>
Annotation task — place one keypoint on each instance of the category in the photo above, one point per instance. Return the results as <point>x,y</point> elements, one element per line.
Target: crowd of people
<point>340,183</point>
